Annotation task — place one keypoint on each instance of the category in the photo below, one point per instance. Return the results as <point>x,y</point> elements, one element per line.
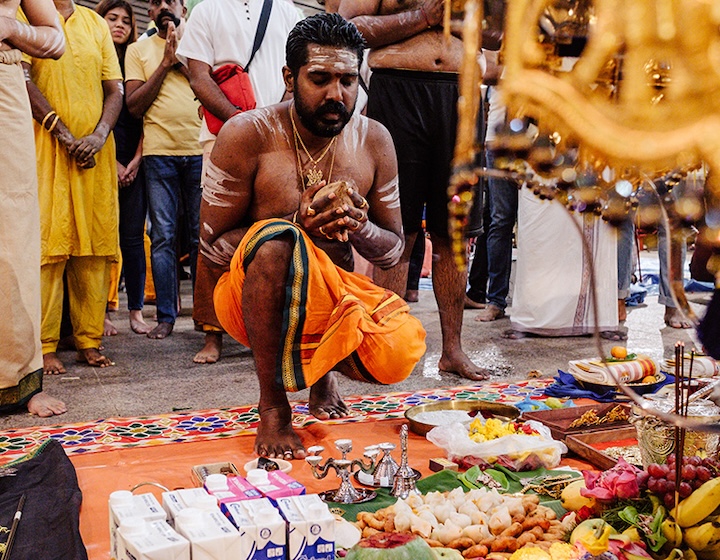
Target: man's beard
<point>162,23</point>
<point>313,120</point>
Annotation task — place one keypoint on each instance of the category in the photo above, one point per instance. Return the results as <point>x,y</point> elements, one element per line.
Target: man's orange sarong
<point>330,316</point>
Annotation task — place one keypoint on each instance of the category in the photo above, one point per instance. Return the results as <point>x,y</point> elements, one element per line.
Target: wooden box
<point>559,420</point>
<point>589,445</point>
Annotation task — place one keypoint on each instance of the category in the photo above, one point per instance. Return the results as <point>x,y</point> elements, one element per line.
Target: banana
<point>673,532</point>
<point>702,537</point>
<point>698,505</point>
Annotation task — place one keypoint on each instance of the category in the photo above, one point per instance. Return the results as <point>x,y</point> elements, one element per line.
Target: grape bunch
<point>694,471</point>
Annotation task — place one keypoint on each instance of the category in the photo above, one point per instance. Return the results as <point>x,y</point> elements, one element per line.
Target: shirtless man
<point>21,368</point>
<point>288,152</point>
<point>418,105</point>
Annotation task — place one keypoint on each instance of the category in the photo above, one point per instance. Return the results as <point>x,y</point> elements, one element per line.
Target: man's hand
<point>433,10</point>
<point>87,146</point>
<point>321,218</point>
<point>7,26</point>
<point>171,42</point>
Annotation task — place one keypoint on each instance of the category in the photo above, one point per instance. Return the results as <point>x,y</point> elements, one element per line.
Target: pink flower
<point>623,481</point>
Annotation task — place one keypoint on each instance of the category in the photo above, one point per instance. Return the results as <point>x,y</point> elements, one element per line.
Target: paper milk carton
<point>211,535</point>
<point>177,500</point>
<point>138,539</point>
<point>274,484</point>
<point>124,504</point>
<point>310,528</point>
<point>261,527</point>
<point>230,489</point>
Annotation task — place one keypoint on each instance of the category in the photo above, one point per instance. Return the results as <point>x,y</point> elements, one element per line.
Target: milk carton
<point>211,535</point>
<point>230,489</point>
<point>138,539</point>
<point>177,500</point>
<point>274,484</point>
<point>310,528</point>
<point>261,527</point>
<point>124,504</point>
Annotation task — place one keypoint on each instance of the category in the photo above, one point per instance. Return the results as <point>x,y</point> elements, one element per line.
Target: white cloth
<point>220,33</point>
<point>552,295</point>
<point>595,371</point>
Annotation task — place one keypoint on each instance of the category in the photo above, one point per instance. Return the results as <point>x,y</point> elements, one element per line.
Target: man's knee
<point>272,256</point>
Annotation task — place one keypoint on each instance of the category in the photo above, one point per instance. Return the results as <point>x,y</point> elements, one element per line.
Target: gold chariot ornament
<point>639,96</point>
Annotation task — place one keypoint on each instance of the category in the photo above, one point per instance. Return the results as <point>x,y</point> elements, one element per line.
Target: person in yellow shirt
<point>75,103</point>
<point>159,91</point>
<point>21,374</point>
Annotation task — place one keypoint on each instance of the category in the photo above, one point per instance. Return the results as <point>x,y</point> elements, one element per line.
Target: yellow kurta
<point>78,207</point>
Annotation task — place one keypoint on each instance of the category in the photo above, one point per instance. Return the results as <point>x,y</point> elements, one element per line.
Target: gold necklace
<point>314,175</point>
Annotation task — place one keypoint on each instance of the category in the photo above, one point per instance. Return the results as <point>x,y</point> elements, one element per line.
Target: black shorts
<point>420,111</point>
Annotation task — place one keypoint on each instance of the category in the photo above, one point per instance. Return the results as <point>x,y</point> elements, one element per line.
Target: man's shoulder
<point>89,15</point>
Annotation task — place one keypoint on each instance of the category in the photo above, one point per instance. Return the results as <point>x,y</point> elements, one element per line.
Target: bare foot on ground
<point>622,310</point>
<point>490,313</point>
<point>512,334</point>
<point>325,401</point>
<point>276,437</point>
<point>43,405</point>
<point>210,353</point>
<point>462,366</point>
<point>93,358</point>
<point>675,319</point>
<point>161,331</point>
<point>109,329</point>
<point>614,336</point>
<point>472,304</point>
<point>52,365</point>
<point>137,322</point>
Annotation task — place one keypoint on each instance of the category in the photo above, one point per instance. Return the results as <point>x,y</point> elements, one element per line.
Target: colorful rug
<point>116,433</point>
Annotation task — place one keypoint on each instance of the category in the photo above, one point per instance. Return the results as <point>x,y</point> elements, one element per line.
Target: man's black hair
<point>328,30</point>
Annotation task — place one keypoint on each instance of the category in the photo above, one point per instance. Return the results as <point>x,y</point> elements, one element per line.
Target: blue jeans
<point>626,240</point>
<point>503,201</point>
<point>173,182</point>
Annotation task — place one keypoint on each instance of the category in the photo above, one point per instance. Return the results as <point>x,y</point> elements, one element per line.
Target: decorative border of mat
<point>146,431</point>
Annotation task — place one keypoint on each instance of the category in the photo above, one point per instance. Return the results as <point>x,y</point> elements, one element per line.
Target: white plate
<point>285,466</point>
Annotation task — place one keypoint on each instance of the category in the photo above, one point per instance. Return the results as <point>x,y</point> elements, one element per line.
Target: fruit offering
<point>494,428</point>
<point>694,472</point>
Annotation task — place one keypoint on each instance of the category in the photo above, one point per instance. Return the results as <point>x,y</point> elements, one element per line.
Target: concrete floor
<point>158,376</point>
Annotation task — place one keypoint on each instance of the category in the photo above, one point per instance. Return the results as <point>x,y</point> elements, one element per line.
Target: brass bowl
<point>486,408</point>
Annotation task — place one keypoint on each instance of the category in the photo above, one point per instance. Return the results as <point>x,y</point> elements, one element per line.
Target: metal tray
<point>485,408</point>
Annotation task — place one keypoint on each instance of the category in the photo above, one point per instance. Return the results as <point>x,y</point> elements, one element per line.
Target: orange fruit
<point>649,379</point>
<point>619,352</point>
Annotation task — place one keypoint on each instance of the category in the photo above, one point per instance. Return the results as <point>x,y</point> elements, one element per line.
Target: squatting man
<point>288,293</point>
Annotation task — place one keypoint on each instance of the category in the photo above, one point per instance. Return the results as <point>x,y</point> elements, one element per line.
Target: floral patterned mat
<point>115,433</point>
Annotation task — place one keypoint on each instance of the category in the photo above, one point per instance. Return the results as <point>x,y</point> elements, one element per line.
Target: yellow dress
<point>78,207</point>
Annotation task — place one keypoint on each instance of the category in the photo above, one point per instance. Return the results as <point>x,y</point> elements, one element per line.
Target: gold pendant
<point>314,176</point>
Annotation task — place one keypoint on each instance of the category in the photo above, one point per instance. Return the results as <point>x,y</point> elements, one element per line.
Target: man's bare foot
<point>109,329</point>
<point>52,365</point>
<point>461,365</point>
<point>276,437</point>
<point>512,334</point>
<point>613,336</point>
<point>622,310</point>
<point>210,353</point>
<point>490,313</point>
<point>137,322</point>
<point>675,319</point>
<point>472,304</point>
<point>93,358</point>
<point>43,405</point>
<point>161,331</point>
<point>325,401</point>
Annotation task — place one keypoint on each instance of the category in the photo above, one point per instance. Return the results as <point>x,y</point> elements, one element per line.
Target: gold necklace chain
<point>312,176</point>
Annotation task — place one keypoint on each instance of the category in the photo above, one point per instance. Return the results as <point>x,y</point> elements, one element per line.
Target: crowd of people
<point>124,144</point>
